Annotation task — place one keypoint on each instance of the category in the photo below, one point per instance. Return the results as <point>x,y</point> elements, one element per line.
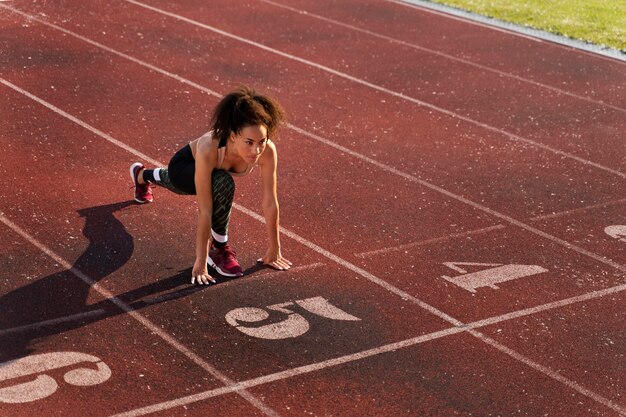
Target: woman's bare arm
<point>206,159</point>
<point>269,202</point>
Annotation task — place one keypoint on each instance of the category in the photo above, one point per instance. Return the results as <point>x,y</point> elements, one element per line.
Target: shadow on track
<point>64,294</point>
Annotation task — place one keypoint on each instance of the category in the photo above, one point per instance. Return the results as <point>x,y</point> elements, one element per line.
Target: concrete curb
<point>536,33</point>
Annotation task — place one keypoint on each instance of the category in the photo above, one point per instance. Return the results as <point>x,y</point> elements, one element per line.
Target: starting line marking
<point>52,322</point>
<point>172,295</point>
<point>576,210</point>
<point>148,300</point>
<point>298,268</point>
<point>428,241</point>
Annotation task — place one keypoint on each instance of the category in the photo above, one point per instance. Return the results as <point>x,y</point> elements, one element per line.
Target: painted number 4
<point>491,276</point>
<point>293,325</point>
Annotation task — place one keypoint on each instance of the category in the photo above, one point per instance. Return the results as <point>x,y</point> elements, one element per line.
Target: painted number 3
<point>293,325</point>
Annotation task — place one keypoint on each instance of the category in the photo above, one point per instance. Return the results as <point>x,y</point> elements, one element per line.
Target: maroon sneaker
<point>223,261</point>
<point>143,192</point>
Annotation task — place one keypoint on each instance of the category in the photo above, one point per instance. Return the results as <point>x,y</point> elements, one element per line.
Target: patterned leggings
<point>178,177</point>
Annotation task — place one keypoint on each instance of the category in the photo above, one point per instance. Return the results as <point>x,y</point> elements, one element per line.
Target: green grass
<point>602,22</point>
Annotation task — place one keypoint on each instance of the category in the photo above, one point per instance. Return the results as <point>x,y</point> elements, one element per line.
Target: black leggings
<point>179,177</point>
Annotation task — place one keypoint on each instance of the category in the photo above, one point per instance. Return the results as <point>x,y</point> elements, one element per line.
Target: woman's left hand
<point>275,260</point>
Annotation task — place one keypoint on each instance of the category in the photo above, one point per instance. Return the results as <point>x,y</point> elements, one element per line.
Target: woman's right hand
<point>200,273</point>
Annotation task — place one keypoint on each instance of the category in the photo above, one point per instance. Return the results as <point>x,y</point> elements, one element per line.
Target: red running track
<point>423,150</point>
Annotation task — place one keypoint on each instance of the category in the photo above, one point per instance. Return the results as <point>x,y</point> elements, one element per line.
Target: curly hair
<point>244,107</point>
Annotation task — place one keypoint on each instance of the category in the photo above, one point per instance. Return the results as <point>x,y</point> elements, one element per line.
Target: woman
<point>241,127</point>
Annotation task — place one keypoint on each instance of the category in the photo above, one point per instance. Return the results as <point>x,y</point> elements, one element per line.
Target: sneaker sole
<point>132,177</point>
<point>210,262</point>
<point>142,201</point>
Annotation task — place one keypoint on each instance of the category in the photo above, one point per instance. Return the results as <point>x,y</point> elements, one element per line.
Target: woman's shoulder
<point>206,144</point>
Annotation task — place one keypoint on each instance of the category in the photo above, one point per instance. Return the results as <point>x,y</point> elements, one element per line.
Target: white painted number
<point>491,276</point>
<point>617,231</point>
<point>44,385</point>
<point>293,326</point>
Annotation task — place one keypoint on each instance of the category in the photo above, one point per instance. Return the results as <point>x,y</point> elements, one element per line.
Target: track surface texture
<point>453,198</point>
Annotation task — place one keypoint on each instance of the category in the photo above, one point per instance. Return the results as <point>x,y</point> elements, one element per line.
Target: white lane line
<point>427,242</point>
<point>342,262</point>
<point>371,277</point>
<point>463,200</point>
<point>190,290</point>
<point>289,373</point>
<point>293,269</point>
<point>578,210</point>
<point>172,295</point>
<point>137,316</point>
<point>82,124</point>
<point>444,55</point>
<point>472,325</point>
<point>388,348</point>
<point>550,373</point>
<point>150,300</point>
<point>545,307</point>
<point>313,136</point>
<point>432,10</point>
<point>376,87</point>
<point>51,322</point>
<point>536,35</point>
<point>116,52</point>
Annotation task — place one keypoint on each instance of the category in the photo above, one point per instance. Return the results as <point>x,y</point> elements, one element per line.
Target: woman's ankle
<point>140,179</point>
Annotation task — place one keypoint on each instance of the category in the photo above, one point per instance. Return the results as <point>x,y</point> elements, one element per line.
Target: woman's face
<point>250,142</point>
